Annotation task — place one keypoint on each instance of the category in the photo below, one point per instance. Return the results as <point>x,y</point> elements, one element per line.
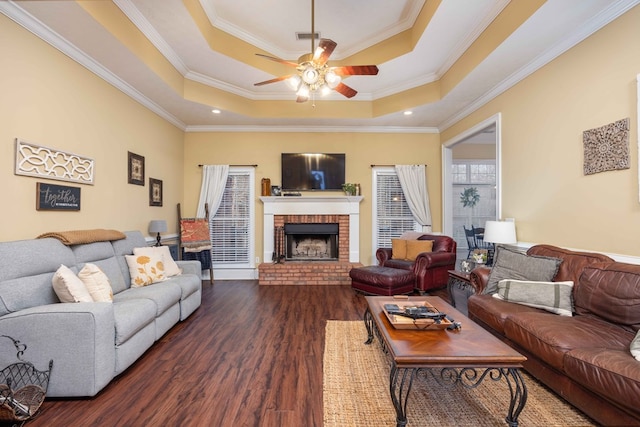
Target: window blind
<point>230,226</point>
<point>392,214</point>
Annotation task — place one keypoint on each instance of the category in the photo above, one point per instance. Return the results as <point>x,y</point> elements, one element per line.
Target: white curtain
<point>413,181</point>
<point>214,180</point>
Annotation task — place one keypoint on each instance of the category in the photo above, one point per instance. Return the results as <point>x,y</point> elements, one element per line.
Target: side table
<point>460,289</point>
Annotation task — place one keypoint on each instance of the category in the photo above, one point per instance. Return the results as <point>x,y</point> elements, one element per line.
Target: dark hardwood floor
<point>249,356</point>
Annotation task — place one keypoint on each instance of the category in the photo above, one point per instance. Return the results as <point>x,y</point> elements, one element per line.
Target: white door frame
<point>447,164</point>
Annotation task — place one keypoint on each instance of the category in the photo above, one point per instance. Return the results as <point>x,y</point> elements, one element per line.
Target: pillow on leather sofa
<point>635,346</point>
<point>550,296</point>
<point>512,264</point>
<point>398,249</point>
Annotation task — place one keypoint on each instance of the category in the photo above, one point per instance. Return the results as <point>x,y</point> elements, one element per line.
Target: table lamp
<point>500,232</point>
<point>157,226</point>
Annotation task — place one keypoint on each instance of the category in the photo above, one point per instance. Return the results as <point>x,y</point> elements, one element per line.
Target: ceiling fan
<point>314,74</point>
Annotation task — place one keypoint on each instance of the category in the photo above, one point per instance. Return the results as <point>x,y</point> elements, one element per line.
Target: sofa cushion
<point>610,291</point>
<point>164,295</point>
<point>97,283</point>
<point>512,264</point>
<point>145,269</point>
<point>494,312</point>
<point>610,372</point>
<point>170,266</point>
<point>68,287</point>
<point>550,337</point>
<point>398,249</point>
<point>132,316</point>
<point>550,296</point>
<point>189,284</point>
<point>416,247</point>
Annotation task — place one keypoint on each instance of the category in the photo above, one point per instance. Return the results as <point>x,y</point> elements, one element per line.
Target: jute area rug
<point>356,392</point>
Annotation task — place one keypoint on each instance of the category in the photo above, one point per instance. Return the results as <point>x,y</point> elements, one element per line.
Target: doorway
<point>471,180</point>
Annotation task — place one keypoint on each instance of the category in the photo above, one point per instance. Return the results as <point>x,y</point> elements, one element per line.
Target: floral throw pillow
<point>145,269</point>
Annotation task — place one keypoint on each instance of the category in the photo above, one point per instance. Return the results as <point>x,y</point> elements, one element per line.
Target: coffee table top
<point>471,347</point>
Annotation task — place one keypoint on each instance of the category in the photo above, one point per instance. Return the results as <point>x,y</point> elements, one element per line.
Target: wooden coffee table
<point>464,356</point>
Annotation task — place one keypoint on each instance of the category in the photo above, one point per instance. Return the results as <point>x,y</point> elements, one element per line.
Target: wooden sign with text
<point>50,197</point>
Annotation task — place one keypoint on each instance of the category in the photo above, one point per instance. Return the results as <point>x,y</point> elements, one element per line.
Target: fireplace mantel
<point>294,205</point>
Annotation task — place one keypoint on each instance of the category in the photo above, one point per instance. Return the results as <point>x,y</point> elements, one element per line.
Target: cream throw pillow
<point>416,247</point>
<point>97,283</point>
<point>170,266</point>
<point>145,269</point>
<point>635,346</point>
<point>68,287</point>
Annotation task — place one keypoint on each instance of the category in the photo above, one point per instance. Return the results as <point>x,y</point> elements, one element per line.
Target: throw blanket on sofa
<point>78,237</point>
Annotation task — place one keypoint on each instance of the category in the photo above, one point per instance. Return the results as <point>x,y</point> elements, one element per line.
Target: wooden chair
<point>194,240</point>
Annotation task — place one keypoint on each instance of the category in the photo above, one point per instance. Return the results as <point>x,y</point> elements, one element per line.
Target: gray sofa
<point>89,343</point>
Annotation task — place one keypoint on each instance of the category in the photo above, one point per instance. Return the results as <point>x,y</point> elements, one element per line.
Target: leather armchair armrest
<point>479,277</point>
<point>382,255</point>
<point>426,260</point>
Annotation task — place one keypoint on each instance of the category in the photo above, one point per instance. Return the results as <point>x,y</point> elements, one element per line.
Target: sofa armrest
<point>190,267</point>
<point>383,255</point>
<point>427,260</point>
<point>78,337</point>
<point>479,277</point>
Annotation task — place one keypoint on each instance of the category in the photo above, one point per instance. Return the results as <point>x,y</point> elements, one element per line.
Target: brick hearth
<point>311,272</point>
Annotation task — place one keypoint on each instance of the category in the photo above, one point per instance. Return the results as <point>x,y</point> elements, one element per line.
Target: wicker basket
<point>22,388</point>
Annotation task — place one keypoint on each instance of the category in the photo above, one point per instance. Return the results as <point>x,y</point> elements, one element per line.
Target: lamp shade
<point>157,226</point>
<point>500,232</point>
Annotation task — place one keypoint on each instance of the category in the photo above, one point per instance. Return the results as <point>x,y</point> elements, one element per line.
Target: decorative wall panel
<point>44,162</point>
<point>606,148</point>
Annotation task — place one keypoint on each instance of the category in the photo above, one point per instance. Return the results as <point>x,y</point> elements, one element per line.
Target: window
<point>391,213</point>
<point>232,227</point>
<point>479,177</point>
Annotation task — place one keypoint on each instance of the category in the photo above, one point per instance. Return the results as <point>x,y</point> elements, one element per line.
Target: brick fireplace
<point>326,232</point>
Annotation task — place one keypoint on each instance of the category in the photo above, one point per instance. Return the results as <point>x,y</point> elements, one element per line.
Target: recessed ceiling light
<point>216,111</point>
<point>408,113</point>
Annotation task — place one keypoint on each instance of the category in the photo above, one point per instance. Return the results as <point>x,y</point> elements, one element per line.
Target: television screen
<point>304,171</point>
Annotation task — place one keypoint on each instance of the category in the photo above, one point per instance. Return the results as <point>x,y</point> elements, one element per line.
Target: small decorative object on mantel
<point>606,148</point>
<point>43,162</point>
<point>136,169</point>
<point>155,192</point>
<point>349,189</point>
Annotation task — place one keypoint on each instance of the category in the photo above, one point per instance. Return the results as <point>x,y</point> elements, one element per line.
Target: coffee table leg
<point>400,382</point>
<point>368,322</point>
<point>518,391</point>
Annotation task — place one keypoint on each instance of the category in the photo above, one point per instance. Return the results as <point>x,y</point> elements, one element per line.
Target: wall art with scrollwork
<point>44,162</point>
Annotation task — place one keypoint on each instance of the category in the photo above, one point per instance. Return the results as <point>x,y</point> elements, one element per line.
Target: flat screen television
<point>317,171</point>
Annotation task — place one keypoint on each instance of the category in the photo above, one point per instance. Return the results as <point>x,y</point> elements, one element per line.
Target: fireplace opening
<point>311,241</point>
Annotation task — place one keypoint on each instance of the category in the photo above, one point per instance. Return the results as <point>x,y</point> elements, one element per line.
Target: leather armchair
<point>430,268</point>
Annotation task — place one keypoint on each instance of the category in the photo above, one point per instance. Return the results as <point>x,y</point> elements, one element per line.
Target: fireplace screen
<point>311,242</point>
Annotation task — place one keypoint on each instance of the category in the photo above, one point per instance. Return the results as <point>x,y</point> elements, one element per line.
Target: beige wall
<point>466,151</point>
<point>543,118</point>
<point>50,100</point>
<point>361,149</point>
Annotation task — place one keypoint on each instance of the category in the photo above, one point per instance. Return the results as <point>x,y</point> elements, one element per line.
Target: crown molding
<point>608,15</point>
<point>313,129</point>
<point>39,29</point>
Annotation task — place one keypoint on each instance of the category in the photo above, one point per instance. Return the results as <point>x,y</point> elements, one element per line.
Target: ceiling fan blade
<point>302,99</point>
<point>356,70</point>
<point>277,79</point>
<point>282,61</point>
<point>345,90</point>
<point>323,51</point>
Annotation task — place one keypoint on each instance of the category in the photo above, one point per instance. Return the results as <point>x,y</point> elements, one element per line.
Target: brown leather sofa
<point>430,268</point>
<point>584,358</point>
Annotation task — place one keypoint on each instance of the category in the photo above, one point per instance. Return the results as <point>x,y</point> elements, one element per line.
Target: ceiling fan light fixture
<point>310,75</point>
<point>332,79</point>
<point>294,82</point>
<point>325,90</point>
<point>303,92</point>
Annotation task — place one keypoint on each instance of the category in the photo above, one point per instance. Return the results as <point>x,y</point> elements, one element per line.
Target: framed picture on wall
<point>136,169</point>
<point>155,192</point>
